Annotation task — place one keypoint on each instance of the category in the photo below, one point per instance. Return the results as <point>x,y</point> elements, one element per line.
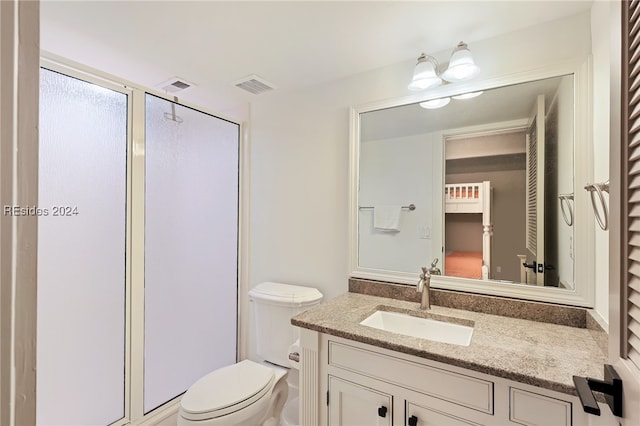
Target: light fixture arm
<point>428,58</point>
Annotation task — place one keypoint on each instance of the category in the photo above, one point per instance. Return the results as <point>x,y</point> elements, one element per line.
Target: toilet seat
<point>227,390</point>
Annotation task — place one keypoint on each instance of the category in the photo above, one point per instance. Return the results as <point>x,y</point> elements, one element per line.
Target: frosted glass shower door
<point>191,246</point>
<point>81,252</point>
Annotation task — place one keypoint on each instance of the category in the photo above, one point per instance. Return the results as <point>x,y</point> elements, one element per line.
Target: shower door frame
<point>135,232</point>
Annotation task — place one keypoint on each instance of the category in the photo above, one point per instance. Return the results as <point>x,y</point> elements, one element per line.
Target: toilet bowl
<point>251,393</point>
<point>247,393</point>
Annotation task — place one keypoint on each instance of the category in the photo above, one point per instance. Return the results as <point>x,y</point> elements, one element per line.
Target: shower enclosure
<point>137,249</point>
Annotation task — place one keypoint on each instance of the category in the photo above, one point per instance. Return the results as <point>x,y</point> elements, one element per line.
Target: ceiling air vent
<point>174,85</point>
<point>254,84</point>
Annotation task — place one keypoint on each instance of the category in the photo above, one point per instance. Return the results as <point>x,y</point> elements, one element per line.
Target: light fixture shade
<point>435,103</point>
<point>461,65</point>
<point>425,75</point>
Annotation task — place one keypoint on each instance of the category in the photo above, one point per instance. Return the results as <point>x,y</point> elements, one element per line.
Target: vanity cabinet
<point>351,404</point>
<point>371,388</point>
<point>360,384</point>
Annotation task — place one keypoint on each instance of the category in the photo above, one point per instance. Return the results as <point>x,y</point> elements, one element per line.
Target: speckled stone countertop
<point>539,354</point>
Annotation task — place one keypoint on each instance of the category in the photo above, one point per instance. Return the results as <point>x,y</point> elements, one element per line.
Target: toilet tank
<point>273,306</point>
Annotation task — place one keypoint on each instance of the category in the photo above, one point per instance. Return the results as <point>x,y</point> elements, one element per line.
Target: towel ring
<point>597,188</point>
<point>564,200</point>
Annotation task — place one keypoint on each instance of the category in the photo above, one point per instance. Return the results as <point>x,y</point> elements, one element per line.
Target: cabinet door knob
<point>382,411</point>
<point>413,421</point>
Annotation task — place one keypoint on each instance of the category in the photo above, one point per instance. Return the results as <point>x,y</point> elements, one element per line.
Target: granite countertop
<point>539,354</point>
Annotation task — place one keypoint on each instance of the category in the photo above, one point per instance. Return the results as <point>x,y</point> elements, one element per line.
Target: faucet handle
<point>424,271</point>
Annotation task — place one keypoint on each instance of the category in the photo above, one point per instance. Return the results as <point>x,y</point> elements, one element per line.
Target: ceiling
<point>291,44</point>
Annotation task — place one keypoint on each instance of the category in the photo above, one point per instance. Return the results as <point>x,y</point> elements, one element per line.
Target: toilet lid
<point>285,294</point>
<point>227,390</point>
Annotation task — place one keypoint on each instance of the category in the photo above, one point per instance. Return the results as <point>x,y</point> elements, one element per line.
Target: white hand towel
<point>387,218</point>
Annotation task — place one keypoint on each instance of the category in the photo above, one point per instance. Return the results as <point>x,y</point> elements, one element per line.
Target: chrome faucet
<point>423,287</point>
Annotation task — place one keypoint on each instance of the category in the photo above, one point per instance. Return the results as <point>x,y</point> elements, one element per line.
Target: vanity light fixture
<point>461,67</point>
<point>425,75</point>
<point>435,103</point>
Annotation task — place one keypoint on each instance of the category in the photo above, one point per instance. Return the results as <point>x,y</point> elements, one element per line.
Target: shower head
<point>172,115</point>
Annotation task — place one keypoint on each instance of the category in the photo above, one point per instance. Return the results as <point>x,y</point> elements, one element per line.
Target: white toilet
<point>249,393</point>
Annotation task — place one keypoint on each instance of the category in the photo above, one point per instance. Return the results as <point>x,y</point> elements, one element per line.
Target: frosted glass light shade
<point>461,65</point>
<point>425,75</point>
<point>436,103</point>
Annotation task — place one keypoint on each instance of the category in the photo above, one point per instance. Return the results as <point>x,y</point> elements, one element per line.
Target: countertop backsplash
<point>571,316</point>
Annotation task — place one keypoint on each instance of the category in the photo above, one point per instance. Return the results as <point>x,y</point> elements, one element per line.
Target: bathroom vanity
<point>513,370</point>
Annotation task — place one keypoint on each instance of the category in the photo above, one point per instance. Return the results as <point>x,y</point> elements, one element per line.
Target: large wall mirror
<point>487,188</point>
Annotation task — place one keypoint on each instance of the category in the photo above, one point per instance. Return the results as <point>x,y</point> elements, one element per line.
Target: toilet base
<point>290,414</point>
<point>278,399</point>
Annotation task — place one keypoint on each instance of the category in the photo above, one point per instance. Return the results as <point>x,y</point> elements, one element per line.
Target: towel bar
<point>410,207</point>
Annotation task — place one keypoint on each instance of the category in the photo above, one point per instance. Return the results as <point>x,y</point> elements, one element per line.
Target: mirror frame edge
<point>584,258</point>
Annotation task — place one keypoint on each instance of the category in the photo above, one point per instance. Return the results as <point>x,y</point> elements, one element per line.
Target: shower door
<point>81,252</point>
<point>191,247</point>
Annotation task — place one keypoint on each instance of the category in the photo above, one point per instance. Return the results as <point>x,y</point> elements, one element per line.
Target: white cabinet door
<point>531,409</point>
<point>351,404</point>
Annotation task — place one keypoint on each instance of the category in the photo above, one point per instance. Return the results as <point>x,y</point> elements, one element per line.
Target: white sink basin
<point>423,328</point>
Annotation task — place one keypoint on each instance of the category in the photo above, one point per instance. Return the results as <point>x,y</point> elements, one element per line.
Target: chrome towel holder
<point>564,201</point>
<point>410,207</point>
<point>599,188</point>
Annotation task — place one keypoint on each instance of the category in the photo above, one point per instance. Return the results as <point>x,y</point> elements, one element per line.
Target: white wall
<point>398,171</point>
<point>300,153</point>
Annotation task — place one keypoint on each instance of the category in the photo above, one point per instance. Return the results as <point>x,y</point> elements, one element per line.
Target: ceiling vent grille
<point>174,85</point>
<point>254,84</point>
